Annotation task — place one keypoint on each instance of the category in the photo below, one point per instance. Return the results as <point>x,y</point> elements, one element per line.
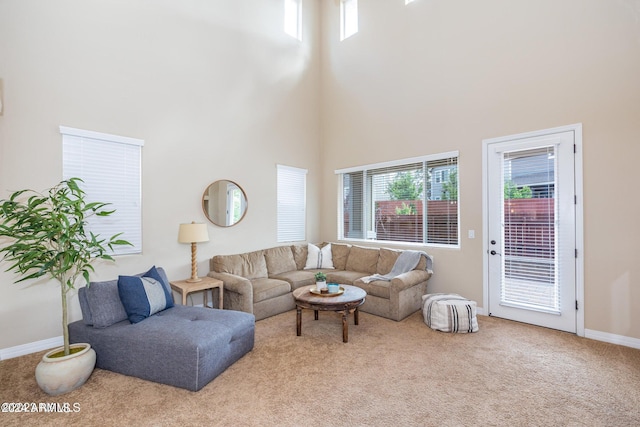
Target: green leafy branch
<point>47,237</point>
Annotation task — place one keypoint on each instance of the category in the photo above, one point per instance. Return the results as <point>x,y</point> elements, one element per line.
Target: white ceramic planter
<point>321,285</point>
<point>59,375</point>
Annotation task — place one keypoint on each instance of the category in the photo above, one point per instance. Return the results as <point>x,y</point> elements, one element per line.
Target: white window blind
<point>442,201</point>
<point>291,201</point>
<point>110,167</point>
<point>412,200</point>
<point>531,232</point>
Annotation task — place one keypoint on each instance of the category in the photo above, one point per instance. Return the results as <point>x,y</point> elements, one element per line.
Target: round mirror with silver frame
<point>224,203</point>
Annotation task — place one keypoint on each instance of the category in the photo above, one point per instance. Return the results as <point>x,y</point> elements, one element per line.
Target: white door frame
<point>577,130</point>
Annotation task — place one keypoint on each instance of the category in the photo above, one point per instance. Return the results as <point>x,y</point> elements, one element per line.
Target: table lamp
<point>193,233</point>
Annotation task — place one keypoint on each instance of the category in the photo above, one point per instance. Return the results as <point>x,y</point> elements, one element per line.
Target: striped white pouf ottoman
<point>449,313</point>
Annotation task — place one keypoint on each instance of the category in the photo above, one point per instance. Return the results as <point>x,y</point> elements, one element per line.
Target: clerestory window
<point>348,18</point>
<point>293,18</point>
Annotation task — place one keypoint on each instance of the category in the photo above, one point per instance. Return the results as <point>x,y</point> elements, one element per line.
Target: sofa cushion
<point>340,253</point>
<point>250,265</point>
<point>279,260</point>
<point>387,260</point>
<point>299,255</point>
<point>318,257</point>
<point>87,318</point>
<point>264,289</point>
<point>377,288</point>
<point>160,275</point>
<point>104,304</point>
<point>344,277</point>
<point>363,259</point>
<point>297,278</point>
<point>100,301</point>
<point>142,297</point>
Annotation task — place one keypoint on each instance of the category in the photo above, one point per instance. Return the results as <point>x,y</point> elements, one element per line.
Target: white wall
<point>216,90</point>
<point>442,75</point>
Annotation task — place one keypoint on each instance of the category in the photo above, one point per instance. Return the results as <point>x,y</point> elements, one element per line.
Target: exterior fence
<point>529,224</point>
<point>529,228</point>
<point>442,221</point>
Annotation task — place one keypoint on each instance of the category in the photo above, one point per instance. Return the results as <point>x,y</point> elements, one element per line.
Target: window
<point>236,203</point>
<point>293,18</point>
<point>412,200</point>
<point>109,165</point>
<point>292,197</point>
<point>348,18</point>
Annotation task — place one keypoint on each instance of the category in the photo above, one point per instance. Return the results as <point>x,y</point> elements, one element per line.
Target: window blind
<point>291,203</point>
<point>110,167</point>
<point>442,201</point>
<point>413,200</point>
<point>530,230</point>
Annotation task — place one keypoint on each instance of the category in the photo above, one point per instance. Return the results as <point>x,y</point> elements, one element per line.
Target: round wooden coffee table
<point>347,302</point>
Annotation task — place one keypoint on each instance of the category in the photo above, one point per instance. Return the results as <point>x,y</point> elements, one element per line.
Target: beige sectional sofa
<point>261,282</point>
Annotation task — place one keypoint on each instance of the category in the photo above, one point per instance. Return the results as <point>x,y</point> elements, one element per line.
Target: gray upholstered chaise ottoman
<point>181,346</point>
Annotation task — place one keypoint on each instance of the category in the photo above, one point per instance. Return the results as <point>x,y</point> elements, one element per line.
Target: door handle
<point>494,253</point>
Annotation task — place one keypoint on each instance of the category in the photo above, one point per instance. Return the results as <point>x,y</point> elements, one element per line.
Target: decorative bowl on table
<point>326,292</point>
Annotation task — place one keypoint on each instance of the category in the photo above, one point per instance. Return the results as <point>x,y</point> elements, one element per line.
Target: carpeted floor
<point>389,373</point>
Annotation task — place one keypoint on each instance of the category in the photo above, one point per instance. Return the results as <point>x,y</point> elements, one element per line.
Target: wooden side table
<point>185,287</point>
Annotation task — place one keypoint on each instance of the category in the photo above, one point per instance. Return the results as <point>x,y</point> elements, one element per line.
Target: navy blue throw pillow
<point>142,297</point>
<point>160,276</point>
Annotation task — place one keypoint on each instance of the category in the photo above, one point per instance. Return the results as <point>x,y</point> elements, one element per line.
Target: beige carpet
<point>390,373</point>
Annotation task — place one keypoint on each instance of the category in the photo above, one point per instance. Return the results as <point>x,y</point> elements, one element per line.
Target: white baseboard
<point>596,335</point>
<point>34,347</point>
<point>612,338</point>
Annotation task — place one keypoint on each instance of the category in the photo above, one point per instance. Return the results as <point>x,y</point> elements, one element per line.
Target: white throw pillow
<point>318,258</point>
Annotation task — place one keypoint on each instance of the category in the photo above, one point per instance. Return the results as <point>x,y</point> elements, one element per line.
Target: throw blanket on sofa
<point>407,261</point>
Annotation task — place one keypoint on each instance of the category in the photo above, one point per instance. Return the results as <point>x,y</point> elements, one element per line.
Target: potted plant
<point>321,280</point>
<point>43,235</point>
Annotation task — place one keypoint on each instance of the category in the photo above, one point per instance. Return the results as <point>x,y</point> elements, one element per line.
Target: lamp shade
<point>193,233</point>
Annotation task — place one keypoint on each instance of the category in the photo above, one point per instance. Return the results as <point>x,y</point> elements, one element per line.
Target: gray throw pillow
<point>84,306</point>
<point>104,303</point>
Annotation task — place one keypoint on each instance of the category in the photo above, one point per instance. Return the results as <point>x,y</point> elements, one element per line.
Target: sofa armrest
<point>409,279</point>
<point>238,285</point>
